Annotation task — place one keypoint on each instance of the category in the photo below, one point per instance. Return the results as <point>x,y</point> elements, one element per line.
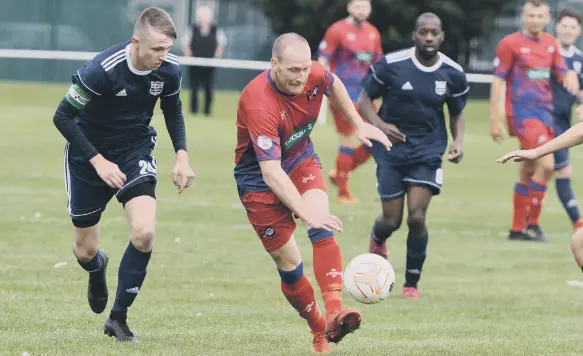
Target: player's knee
<point>287,257</point>
<point>388,223</point>
<point>545,168</point>
<point>143,238</point>
<point>416,221</point>
<point>86,243</point>
<point>564,173</point>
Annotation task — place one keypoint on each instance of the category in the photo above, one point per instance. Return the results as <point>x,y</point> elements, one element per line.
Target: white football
<point>369,278</point>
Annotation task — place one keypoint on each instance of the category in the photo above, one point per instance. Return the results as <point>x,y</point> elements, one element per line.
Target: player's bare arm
<point>364,132</point>
<point>367,110</point>
<point>457,126</point>
<point>496,127</point>
<point>279,182</point>
<point>64,120</point>
<point>572,137</point>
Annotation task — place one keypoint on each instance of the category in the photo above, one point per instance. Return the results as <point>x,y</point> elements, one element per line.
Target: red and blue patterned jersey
<point>527,64</point>
<point>351,49</point>
<point>272,125</point>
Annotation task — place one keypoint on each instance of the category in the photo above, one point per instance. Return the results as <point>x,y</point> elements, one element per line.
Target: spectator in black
<point>203,39</point>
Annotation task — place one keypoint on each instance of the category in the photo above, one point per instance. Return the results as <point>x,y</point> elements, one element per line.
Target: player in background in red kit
<point>279,177</point>
<point>525,61</point>
<point>350,46</point>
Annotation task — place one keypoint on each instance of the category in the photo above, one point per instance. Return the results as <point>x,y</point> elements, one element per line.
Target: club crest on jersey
<point>156,88</point>
<point>264,142</point>
<point>577,67</point>
<point>440,87</point>
<point>312,93</point>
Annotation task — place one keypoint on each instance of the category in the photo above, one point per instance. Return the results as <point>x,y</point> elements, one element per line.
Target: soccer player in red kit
<point>279,177</point>
<point>350,46</point>
<point>525,61</point>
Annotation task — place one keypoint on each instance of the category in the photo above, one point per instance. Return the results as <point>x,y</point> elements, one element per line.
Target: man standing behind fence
<point>203,39</point>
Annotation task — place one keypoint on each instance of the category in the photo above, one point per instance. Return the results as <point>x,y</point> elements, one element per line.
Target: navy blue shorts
<point>87,194</point>
<point>395,174</point>
<point>562,124</point>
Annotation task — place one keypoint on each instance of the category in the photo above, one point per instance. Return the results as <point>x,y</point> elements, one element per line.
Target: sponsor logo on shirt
<point>539,74</point>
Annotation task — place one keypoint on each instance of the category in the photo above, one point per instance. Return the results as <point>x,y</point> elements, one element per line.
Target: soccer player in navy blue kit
<point>568,29</point>
<point>414,83</point>
<point>105,118</point>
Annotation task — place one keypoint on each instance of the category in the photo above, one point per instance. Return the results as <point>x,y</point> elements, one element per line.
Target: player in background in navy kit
<point>568,29</point>
<point>414,84</point>
<point>105,118</point>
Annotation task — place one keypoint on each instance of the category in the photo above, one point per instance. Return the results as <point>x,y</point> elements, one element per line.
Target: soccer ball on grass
<point>369,278</point>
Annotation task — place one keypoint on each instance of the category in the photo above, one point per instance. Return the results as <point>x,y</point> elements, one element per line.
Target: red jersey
<point>351,49</point>
<point>527,64</point>
<point>272,125</point>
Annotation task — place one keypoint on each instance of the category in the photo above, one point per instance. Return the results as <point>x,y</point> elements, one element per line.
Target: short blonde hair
<point>158,19</point>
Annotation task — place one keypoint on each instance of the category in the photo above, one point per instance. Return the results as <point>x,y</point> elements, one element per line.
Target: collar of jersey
<point>423,68</point>
<point>568,53</point>
<point>131,67</point>
<point>274,86</point>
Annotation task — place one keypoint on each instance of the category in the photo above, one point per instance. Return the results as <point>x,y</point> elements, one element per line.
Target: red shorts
<point>343,126</point>
<point>271,219</point>
<point>531,132</point>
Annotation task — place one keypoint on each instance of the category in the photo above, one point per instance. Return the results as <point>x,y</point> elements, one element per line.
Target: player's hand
<point>326,221</point>
<point>182,174</point>
<point>108,171</point>
<point>519,156</point>
<point>456,152</point>
<point>383,133</point>
<point>497,130</point>
<point>571,82</point>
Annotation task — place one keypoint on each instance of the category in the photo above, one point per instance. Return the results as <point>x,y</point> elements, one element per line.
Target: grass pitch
<point>212,290</point>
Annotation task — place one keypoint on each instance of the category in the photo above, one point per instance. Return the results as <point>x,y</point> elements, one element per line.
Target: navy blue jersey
<point>563,100</point>
<point>413,99</point>
<point>116,101</point>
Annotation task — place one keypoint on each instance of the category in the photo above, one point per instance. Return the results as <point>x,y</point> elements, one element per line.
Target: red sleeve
<point>323,76</point>
<point>559,67</point>
<point>263,129</point>
<point>504,58</point>
<point>379,47</point>
<point>331,42</point>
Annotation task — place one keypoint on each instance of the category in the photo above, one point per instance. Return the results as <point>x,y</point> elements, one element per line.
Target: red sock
<point>328,272</point>
<point>360,156</point>
<point>301,297</point>
<point>344,163</point>
<point>521,207</point>
<point>537,195</point>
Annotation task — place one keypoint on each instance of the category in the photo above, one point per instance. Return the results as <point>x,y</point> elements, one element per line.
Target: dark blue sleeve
<point>89,82</point>
<point>172,108</point>
<point>459,94</point>
<point>376,81</point>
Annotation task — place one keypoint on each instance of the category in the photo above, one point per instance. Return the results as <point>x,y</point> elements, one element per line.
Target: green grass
<point>216,292</point>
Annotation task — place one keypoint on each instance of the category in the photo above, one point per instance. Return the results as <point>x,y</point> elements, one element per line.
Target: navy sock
<point>292,277</point>
<point>416,253</point>
<point>132,272</point>
<point>93,265</point>
<point>567,197</point>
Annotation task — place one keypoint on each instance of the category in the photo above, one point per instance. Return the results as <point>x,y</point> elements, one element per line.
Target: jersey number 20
<point>147,167</point>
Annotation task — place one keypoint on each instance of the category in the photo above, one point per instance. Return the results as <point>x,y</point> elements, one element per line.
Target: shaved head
<point>427,16</point>
<point>291,62</point>
<point>288,42</point>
